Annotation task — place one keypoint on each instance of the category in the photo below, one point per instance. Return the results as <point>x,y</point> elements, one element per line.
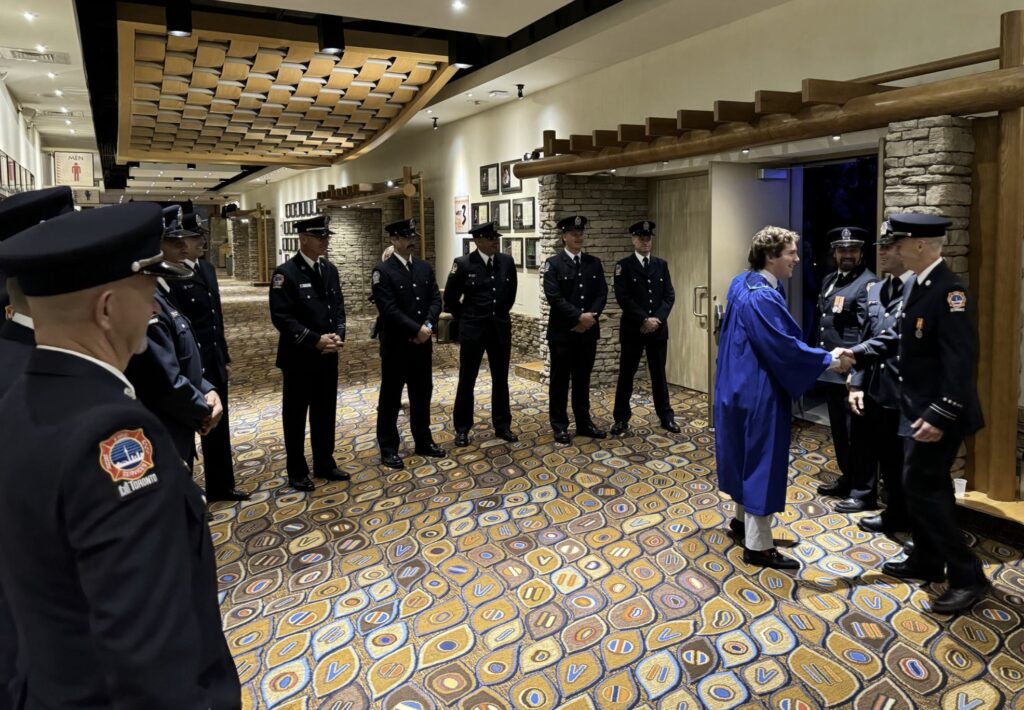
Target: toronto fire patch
<point>127,457</point>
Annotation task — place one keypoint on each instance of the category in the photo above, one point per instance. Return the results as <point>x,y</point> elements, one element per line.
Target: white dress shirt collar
<point>308,261</point>
<point>772,278</point>
<point>129,389</point>
<point>405,262</point>
<point>23,320</point>
<point>924,274</point>
<point>572,257</point>
<point>640,257</point>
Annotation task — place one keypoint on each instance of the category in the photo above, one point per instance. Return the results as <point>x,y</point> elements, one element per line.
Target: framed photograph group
<point>501,214</point>
<point>306,208</point>
<point>480,212</point>
<point>522,214</point>
<point>489,184</point>
<point>509,182</point>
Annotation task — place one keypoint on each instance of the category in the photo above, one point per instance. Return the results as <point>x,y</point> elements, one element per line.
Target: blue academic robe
<point>763,364</point>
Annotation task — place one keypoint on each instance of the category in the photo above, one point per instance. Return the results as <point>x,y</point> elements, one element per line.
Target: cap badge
<point>846,233</point>
<point>647,226</point>
<point>578,222</point>
<point>884,228</point>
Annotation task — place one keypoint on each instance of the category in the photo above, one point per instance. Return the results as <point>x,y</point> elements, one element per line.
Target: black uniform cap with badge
<point>485,230</point>
<point>916,226</point>
<point>81,250</point>
<point>575,223</point>
<point>174,224</point>
<point>403,228</point>
<point>644,229</point>
<point>26,209</point>
<point>319,227</point>
<point>846,237</point>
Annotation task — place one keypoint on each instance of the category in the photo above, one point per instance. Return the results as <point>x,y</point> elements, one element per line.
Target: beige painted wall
<point>775,49</point>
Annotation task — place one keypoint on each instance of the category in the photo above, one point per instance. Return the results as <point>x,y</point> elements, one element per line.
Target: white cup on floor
<point>960,487</point>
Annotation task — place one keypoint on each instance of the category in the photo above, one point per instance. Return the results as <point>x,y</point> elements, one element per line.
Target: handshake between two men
<point>842,360</point>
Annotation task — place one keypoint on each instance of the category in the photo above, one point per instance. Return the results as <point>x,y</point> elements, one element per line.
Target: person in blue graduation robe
<point>763,364</point>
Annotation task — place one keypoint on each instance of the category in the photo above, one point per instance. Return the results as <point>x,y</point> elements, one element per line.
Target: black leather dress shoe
<point>738,528</point>
<point>670,425</point>
<point>462,438</point>
<point>433,450</point>
<point>334,474</point>
<point>392,461</point>
<point>506,434</point>
<point>836,489</point>
<point>905,570</point>
<point>872,524</point>
<point>233,494</point>
<point>303,484</point>
<point>562,437</point>
<point>591,431</point>
<point>769,558</point>
<point>619,428</point>
<point>908,547</point>
<point>957,599</point>
<point>853,505</point>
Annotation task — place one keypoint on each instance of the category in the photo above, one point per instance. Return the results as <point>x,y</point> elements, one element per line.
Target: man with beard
<point>842,309</point>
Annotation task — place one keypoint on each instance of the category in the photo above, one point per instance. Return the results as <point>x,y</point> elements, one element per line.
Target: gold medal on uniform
<point>837,304</point>
<point>919,332</point>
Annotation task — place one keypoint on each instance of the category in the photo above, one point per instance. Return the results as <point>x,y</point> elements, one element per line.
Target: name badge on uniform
<point>837,304</point>
<point>919,328</point>
<point>305,285</point>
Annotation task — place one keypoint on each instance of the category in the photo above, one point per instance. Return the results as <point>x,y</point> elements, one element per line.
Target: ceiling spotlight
<point>612,170</point>
<point>745,151</point>
<point>519,90</point>
<point>330,34</point>
<point>30,16</point>
<point>469,95</point>
<point>391,183</point>
<point>435,123</point>
<point>72,130</point>
<point>63,109</point>
<point>458,5</point>
<point>835,138</point>
<point>430,110</point>
<point>40,48</point>
<point>67,122</point>
<point>58,92</point>
<point>51,75</point>
<point>179,18</point>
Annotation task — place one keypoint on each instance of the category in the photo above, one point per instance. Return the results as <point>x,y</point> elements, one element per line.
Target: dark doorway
<point>840,193</point>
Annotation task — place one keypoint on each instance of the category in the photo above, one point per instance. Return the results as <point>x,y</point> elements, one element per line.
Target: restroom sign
<point>73,169</point>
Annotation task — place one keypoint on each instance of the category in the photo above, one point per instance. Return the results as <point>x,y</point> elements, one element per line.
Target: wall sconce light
<point>435,122</point>
<point>519,90</point>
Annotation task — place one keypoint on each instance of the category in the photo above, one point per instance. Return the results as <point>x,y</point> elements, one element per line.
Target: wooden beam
<point>962,60</point>
<point>655,127</point>
<point>633,133</point>
<point>824,91</point>
<point>688,120</point>
<point>607,139</point>
<point>995,90</point>
<point>549,138</point>
<point>561,146</point>
<point>735,112</point>
<point>766,102</point>
<point>581,144</point>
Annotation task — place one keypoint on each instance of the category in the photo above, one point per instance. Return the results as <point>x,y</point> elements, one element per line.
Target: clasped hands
<point>329,343</point>
<point>842,360</point>
<point>650,325</point>
<point>216,411</point>
<point>585,323</point>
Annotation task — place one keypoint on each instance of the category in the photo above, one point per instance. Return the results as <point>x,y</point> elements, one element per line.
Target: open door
<point>681,209</point>
<point>741,204</point>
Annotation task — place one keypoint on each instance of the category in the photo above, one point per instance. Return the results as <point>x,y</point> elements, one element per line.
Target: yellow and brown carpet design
<point>598,575</point>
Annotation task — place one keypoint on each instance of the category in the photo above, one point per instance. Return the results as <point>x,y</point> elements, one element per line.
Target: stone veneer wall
<point>610,204</point>
<point>218,240</point>
<point>527,333</point>
<point>927,169</point>
<point>243,246</point>
<point>353,249</point>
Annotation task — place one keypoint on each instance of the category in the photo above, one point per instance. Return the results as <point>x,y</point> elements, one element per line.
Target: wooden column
<point>1001,416</point>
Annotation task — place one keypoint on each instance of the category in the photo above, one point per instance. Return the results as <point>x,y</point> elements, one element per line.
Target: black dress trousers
<point>408,365</point>
<point>499,355</point>
<point>629,360</point>
<point>312,388</point>
<point>217,465</point>
<point>571,359</point>
<point>836,397</point>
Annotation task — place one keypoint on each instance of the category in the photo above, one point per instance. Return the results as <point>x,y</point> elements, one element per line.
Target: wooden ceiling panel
<point>263,93</point>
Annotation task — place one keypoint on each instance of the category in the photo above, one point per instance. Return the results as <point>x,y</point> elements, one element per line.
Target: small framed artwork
<point>522,214</point>
<point>530,259</point>
<point>501,214</point>
<point>489,179</point>
<point>462,215</point>
<point>467,246</point>
<point>479,212</point>
<point>513,246</point>
<point>509,182</point>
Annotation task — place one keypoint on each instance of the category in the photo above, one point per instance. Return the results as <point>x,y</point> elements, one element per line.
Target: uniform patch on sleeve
<point>455,267</point>
<point>957,301</point>
<point>278,281</point>
<point>127,457</point>
<point>376,277</point>
<point>547,267</point>
<point>618,269</point>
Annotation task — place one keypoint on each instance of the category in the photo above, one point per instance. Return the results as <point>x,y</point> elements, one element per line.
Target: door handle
<point>697,311</point>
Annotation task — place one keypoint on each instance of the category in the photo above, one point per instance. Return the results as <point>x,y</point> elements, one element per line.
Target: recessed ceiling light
<point>72,130</point>
<point>745,151</point>
<point>67,122</point>
<point>430,110</point>
<point>835,138</point>
<point>51,75</point>
<point>63,109</point>
<point>458,5</point>
<point>58,92</point>
<point>40,48</point>
<point>470,95</point>
<point>30,16</point>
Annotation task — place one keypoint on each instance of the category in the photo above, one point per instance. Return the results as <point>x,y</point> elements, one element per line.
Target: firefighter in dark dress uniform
<point>198,299</point>
<point>479,293</point>
<point>842,310</point>
<point>115,599</point>
<point>308,309</point>
<point>17,340</point>
<point>577,293</point>
<point>937,348</point>
<point>168,375</point>
<point>409,303</point>
<point>875,398</point>
<point>643,289</point>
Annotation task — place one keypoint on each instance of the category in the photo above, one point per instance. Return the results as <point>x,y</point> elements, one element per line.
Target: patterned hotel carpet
<point>593,576</point>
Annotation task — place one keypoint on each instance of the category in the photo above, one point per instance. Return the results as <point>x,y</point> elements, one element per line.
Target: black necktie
<point>316,268</point>
<point>895,286</point>
<point>646,261</point>
<point>408,266</point>
<point>490,265</point>
<point>576,260</point>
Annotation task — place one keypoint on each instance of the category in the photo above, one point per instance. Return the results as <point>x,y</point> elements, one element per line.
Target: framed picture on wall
<point>467,246</point>
<point>513,246</point>
<point>479,213</point>
<point>522,214</point>
<point>530,258</point>
<point>501,214</point>
<point>462,215</point>
<point>489,179</point>
<point>509,182</point>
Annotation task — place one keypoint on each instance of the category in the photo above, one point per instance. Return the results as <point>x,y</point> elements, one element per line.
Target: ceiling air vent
<point>27,55</point>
